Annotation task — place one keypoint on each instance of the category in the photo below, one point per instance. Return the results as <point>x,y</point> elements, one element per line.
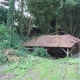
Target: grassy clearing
<point>36,68</point>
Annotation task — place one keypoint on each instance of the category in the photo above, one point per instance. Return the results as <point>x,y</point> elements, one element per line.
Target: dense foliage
<point>10,17</point>
<point>4,37</point>
<point>48,14</point>
<point>3,15</point>
<point>40,52</point>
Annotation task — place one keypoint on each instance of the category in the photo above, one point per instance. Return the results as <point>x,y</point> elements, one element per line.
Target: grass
<point>36,68</point>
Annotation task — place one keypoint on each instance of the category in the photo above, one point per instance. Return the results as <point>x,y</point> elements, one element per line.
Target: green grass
<point>36,68</point>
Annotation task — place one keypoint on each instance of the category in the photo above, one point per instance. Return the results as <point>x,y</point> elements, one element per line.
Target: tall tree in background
<point>65,13</point>
<point>17,14</point>
<point>21,18</point>
<point>71,18</point>
<point>3,15</point>
<point>47,15</point>
<point>10,16</point>
<point>43,12</point>
<point>10,19</point>
<point>3,11</point>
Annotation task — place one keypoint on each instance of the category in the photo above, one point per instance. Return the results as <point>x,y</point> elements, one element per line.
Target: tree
<point>3,11</point>
<point>10,17</point>
<point>21,18</point>
<point>65,13</point>
<point>43,13</point>
<point>70,18</point>
<point>3,15</point>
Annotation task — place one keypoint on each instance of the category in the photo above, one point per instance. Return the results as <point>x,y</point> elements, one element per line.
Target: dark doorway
<point>56,52</point>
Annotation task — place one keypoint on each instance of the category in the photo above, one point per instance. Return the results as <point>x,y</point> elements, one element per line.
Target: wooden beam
<point>72,50</point>
<point>67,52</point>
<point>64,50</point>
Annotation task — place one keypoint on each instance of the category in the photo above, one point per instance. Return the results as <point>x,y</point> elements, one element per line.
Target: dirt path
<point>5,76</point>
<point>30,74</point>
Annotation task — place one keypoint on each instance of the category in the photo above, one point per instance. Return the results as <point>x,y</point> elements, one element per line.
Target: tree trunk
<point>29,27</point>
<point>22,16</point>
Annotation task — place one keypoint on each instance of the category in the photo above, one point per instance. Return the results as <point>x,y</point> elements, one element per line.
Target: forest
<point>47,16</point>
<point>22,20</point>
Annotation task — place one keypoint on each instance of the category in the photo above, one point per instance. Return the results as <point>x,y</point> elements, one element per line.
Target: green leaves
<point>40,52</point>
<point>64,12</point>
<point>10,20</point>
<point>3,15</point>
<point>3,29</point>
<point>43,12</point>
<point>3,59</point>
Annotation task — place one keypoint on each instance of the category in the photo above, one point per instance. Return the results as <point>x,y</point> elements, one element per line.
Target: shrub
<point>40,52</point>
<point>3,58</point>
<point>16,42</point>
<point>5,44</point>
<point>9,40</point>
<point>3,29</point>
<point>22,52</point>
<point>4,37</point>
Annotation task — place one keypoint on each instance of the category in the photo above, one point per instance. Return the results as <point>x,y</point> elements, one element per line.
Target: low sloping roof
<point>53,41</point>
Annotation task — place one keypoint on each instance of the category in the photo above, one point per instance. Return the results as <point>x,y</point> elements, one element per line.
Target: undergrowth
<point>22,52</point>
<point>10,40</point>
<point>40,52</point>
<point>3,59</point>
